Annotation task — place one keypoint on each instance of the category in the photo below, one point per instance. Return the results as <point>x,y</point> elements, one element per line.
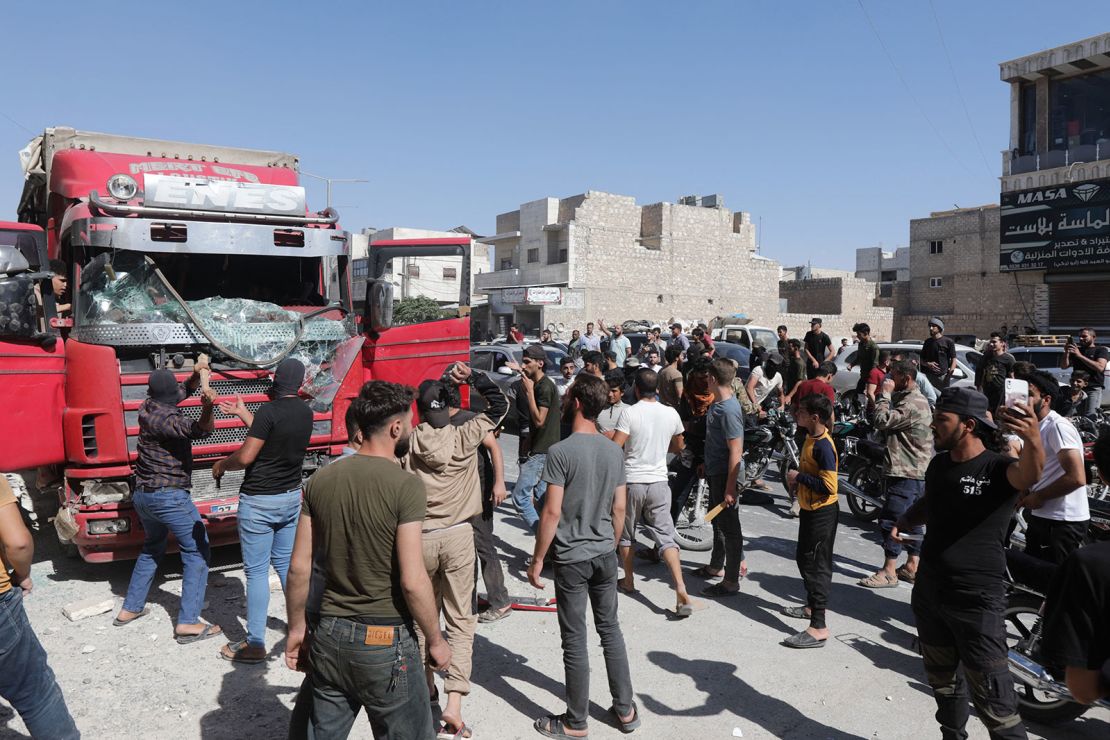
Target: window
<point>413,270</point>
<point>360,268</point>
<point>888,276</point>
<point>1076,111</point>
<point>482,361</point>
<point>506,263</point>
<point>936,282</point>
<point>533,255</point>
<point>555,254</point>
<point>936,247</point>
<point>886,290</point>
<point>1027,120</point>
<point>450,273</point>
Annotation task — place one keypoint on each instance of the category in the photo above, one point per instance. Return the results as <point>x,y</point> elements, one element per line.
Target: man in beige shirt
<point>445,458</point>
<point>670,378</point>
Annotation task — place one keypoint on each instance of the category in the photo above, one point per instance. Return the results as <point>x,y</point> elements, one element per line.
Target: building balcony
<point>1078,154</point>
<point>531,275</point>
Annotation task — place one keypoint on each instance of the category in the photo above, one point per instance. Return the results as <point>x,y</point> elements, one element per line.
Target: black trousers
<point>492,573</point>
<point>681,484</point>
<point>963,641</point>
<point>1052,540</point>
<point>728,535</point>
<point>816,536</point>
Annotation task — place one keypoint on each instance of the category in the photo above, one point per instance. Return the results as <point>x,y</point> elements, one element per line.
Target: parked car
<point>845,379</point>
<point>747,334</point>
<point>494,360</point>
<point>1045,358</point>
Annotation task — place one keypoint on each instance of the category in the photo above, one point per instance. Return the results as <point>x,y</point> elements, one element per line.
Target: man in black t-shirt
<point>269,496</point>
<point>818,348</point>
<point>938,355</point>
<point>959,593</point>
<point>1088,356</point>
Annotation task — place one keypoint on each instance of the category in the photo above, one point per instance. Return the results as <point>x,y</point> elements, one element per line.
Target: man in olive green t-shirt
<point>364,515</point>
<point>542,400</point>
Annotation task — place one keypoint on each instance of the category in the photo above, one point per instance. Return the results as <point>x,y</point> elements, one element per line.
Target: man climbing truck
<point>173,251</point>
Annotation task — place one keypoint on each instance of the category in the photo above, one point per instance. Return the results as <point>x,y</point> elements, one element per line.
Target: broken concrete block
<point>88,608</point>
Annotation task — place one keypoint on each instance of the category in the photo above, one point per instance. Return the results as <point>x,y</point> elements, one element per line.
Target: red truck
<point>174,250</point>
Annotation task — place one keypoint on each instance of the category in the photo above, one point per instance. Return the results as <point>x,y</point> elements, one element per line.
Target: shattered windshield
<point>125,288</point>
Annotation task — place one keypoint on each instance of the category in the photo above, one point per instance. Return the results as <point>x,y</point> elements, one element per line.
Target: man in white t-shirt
<point>765,379</point>
<point>648,430</point>
<point>1057,509</point>
<point>615,408</point>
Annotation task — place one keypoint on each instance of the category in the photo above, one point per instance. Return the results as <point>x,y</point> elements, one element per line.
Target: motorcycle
<point>1042,696</point>
<point>862,464</point>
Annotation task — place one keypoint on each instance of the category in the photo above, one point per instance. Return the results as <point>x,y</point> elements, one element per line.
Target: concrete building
<point>1041,260</point>
<point>560,263</point>
<point>438,278</point>
<point>885,268</point>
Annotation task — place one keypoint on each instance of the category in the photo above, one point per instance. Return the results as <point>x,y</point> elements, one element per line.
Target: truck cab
<point>175,250</point>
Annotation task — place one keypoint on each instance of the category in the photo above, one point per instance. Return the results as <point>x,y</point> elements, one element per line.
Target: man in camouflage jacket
<point>902,414</point>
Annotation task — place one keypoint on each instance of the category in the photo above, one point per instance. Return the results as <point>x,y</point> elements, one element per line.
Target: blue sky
<point>457,111</point>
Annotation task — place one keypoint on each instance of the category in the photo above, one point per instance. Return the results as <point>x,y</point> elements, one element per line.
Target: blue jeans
<point>1094,400</point>
<point>163,511</point>
<point>901,494</point>
<point>267,526</point>
<point>347,675</point>
<point>26,681</point>
<point>529,485</point>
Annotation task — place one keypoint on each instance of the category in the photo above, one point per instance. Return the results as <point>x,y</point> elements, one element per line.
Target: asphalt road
<point>709,676</point>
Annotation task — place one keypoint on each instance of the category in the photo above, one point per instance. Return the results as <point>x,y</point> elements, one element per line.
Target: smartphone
<point>1016,391</point>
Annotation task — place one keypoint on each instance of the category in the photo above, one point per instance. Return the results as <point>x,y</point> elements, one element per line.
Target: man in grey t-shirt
<point>583,515</point>
<point>724,461</point>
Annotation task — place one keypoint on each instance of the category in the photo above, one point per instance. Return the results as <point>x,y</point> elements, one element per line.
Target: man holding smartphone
<point>1058,513</point>
<point>1087,356</point>
<point>959,594</point>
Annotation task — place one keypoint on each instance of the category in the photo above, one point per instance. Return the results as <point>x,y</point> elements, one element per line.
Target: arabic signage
<point>1062,226</point>
<point>532,296</point>
<point>206,194</point>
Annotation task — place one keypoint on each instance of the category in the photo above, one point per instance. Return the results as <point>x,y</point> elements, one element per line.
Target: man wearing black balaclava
<point>269,496</point>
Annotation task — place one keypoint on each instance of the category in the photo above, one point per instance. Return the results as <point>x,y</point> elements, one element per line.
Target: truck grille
<point>204,485</point>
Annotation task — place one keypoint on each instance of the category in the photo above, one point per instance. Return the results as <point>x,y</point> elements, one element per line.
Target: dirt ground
<point>718,672</point>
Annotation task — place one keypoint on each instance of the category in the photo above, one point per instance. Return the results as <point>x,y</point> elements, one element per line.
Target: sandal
<point>117,622</point>
<point>493,615</point>
<point>630,725</point>
<point>803,640</point>
<point>554,726</point>
<point>878,580</point>
<point>447,732</point>
<point>719,589</point>
<point>906,575</point>
<point>706,572</point>
<point>183,639</point>
<point>241,652</point>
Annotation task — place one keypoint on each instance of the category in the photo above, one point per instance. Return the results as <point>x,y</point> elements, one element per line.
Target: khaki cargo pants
<point>449,559</point>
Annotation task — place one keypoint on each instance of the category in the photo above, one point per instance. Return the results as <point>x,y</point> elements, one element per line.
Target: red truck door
<point>32,364</point>
<point>411,352</point>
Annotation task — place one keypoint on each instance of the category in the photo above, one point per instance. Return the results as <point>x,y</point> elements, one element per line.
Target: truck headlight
<point>122,187</point>
<point>109,526</point>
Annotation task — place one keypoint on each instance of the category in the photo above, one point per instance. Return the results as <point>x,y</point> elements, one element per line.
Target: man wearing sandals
<point>163,478</point>
<point>724,462</point>
<point>582,518</point>
<point>902,414</point>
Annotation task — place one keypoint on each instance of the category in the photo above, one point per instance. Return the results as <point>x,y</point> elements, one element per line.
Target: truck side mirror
<point>379,305</point>
<point>12,260</point>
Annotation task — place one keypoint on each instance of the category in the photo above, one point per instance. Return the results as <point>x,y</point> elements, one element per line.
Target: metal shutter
<point>1073,305</point>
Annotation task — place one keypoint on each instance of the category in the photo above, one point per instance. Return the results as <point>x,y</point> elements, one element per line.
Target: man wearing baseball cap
<point>678,339</point>
<point>959,593</point>
<point>445,459</point>
<point>818,347</point>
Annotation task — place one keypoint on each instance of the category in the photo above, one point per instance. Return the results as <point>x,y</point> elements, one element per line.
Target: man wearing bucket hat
<point>938,355</point>
<point>959,594</point>
<point>163,477</point>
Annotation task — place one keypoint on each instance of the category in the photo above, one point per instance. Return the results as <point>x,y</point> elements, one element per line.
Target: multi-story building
<point>1041,260</point>
<point>559,263</point>
<point>885,268</point>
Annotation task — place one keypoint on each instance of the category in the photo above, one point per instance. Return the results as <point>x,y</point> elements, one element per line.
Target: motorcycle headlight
<point>122,187</point>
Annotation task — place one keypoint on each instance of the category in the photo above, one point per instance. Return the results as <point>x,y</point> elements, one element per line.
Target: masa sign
<point>1060,226</point>
<point>202,194</point>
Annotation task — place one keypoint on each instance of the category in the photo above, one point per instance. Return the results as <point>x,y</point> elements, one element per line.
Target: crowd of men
<point>378,553</point>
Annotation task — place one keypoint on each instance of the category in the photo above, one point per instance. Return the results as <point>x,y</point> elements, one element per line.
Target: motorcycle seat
<point>757,435</point>
<point>875,451</point>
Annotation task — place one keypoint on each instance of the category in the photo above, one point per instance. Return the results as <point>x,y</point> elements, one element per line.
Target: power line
<point>17,123</point>
<point>909,92</point>
<point>959,92</point>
